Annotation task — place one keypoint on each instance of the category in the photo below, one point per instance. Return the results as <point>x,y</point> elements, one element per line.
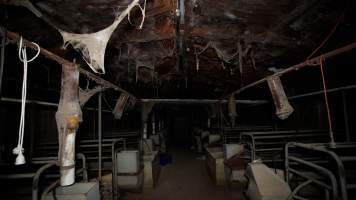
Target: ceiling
<point>191,48</point>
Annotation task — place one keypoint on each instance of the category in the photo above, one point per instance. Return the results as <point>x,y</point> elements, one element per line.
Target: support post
<point>232,110</point>
<point>145,112</point>
<point>346,116</point>
<point>144,130</point>
<point>2,56</point>
<point>99,134</point>
<point>153,119</point>
<point>68,117</point>
<point>33,125</point>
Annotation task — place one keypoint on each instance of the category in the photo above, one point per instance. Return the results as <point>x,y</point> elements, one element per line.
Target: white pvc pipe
<point>67,169</point>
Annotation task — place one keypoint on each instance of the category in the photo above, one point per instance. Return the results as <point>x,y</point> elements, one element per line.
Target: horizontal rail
<point>296,67</point>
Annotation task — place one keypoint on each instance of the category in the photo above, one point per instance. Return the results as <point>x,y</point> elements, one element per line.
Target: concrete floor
<point>186,179</point>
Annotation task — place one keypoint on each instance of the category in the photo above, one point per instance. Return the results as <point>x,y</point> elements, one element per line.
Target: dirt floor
<point>186,179</point>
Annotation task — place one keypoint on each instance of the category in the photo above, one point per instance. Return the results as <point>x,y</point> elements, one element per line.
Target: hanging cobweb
<point>92,45</point>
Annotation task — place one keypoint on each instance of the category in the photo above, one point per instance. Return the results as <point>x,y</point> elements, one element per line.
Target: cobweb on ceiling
<point>222,52</point>
<point>92,45</point>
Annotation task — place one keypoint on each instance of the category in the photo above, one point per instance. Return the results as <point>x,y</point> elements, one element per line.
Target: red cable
<point>340,18</point>
<point>322,59</point>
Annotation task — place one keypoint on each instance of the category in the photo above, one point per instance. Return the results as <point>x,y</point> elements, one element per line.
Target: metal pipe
<point>250,138</point>
<point>251,145</point>
<point>319,168</point>
<point>340,166</point>
<point>17,176</point>
<point>322,92</point>
<point>13,100</point>
<point>302,198</point>
<point>37,177</point>
<point>327,194</point>
<point>99,134</point>
<point>83,171</point>
<point>3,41</point>
<point>43,103</point>
<point>49,188</point>
<point>199,101</point>
<point>114,176</point>
<point>84,166</point>
<point>106,140</point>
<point>315,93</point>
<point>180,43</point>
<point>314,179</point>
<point>285,132</point>
<point>314,61</point>
<point>346,117</point>
<point>114,151</point>
<point>286,162</point>
<point>298,188</point>
<point>334,156</point>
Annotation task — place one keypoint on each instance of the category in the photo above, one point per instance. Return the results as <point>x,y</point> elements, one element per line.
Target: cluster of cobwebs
<point>92,45</point>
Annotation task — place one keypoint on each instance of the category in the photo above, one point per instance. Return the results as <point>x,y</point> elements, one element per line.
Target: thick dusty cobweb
<point>92,45</point>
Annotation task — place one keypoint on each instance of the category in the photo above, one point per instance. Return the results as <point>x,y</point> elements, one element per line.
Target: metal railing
<point>47,163</point>
<point>324,159</point>
<point>269,144</point>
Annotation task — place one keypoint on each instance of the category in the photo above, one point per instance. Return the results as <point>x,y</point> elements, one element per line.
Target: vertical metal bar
<point>84,166</point>
<point>180,43</point>
<point>3,41</point>
<point>327,194</point>
<point>286,162</point>
<point>346,117</point>
<point>153,122</point>
<point>113,171</point>
<point>99,133</point>
<point>114,151</point>
<point>33,125</point>
<point>220,118</point>
<point>94,125</point>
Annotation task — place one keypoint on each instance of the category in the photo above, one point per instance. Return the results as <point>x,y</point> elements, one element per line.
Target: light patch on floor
<point>186,179</point>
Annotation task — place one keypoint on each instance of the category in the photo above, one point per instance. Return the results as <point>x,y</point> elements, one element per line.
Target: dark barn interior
<point>177,99</point>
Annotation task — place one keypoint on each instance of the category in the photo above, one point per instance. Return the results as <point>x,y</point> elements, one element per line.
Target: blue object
<point>165,159</point>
